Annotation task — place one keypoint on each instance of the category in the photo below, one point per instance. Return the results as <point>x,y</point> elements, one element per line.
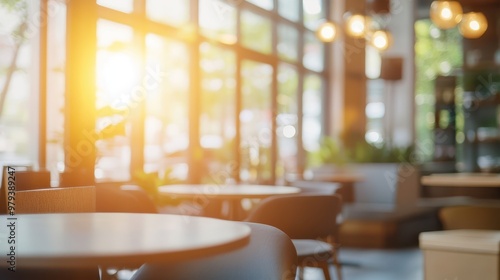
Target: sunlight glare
<point>119,73</point>
<point>289,131</point>
<point>312,7</point>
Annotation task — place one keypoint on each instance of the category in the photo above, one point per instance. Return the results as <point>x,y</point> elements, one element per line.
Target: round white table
<point>233,193</point>
<point>115,239</point>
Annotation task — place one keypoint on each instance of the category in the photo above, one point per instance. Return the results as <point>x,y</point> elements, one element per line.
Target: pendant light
<point>327,31</point>
<point>473,25</point>
<point>357,25</point>
<point>446,14</point>
<point>381,40</point>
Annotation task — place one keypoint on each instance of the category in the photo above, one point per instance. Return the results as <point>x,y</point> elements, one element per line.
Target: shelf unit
<point>481,104</point>
<point>445,119</point>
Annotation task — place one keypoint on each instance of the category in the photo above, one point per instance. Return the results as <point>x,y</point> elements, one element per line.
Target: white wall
<point>401,25</point>
<point>336,77</point>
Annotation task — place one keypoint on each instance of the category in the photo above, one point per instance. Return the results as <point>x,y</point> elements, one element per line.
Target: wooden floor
<point>375,265</point>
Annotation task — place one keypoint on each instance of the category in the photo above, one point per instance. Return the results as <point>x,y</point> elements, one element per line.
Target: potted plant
<point>150,181</point>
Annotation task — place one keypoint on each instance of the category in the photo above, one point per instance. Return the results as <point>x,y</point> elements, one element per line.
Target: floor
<point>362,264</point>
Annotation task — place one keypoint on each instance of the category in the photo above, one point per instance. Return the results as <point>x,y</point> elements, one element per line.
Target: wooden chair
<point>470,217</point>
<point>52,200</point>
<point>23,178</point>
<point>75,178</point>
<point>311,222</point>
<point>56,200</point>
<point>46,199</point>
<point>116,199</point>
<point>269,255</point>
<point>32,180</point>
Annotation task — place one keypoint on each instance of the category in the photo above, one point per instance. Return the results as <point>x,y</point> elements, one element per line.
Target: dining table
<point>473,184</point>
<point>234,193</point>
<point>76,240</point>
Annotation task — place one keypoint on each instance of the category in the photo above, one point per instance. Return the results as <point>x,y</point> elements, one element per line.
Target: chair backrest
<point>115,199</point>
<point>270,254</point>
<point>300,216</point>
<point>470,217</point>
<point>25,177</point>
<point>32,180</point>
<point>408,185</point>
<point>76,178</point>
<point>56,200</point>
<point>33,193</point>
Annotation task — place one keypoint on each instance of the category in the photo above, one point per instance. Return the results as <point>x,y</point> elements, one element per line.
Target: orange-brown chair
<point>470,217</point>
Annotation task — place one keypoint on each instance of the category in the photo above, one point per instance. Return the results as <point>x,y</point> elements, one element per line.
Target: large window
<point>287,119</point>
<point>217,21</point>
<point>436,53</point>
<point>218,109</point>
<point>248,84</point>
<point>55,88</point>
<point>256,122</point>
<point>175,13</point>
<point>187,85</point>
<point>166,124</point>
<point>313,115</point>
<point>117,72</point>
<point>19,38</point>
<point>256,32</point>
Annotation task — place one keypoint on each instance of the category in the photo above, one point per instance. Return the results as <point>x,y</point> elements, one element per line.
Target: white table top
<point>462,180</point>
<point>463,240</point>
<point>226,191</point>
<point>115,239</point>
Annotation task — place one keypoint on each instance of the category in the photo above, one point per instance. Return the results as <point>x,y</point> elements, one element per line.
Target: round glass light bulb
<point>446,14</point>
<point>473,25</point>
<point>327,32</point>
<point>356,26</point>
<point>381,40</point>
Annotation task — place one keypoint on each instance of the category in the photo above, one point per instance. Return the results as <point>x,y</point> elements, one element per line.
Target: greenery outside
<point>150,181</point>
<point>333,151</point>
<point>437,52</point>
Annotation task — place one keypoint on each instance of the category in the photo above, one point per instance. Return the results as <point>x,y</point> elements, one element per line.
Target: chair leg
<point>338,265</point>
<point>300,272</point>
<point>326,272</point>
<point>338,268</point>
